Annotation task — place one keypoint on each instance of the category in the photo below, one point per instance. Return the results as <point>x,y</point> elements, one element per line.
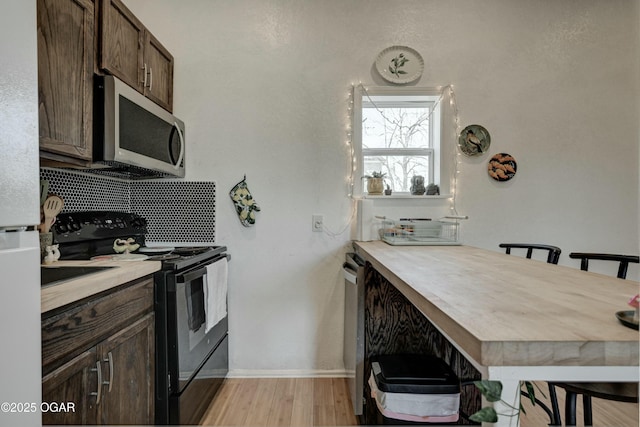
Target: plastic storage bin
<point>414,389</point>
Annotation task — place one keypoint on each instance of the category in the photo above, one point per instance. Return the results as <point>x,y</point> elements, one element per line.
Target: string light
<point>456,153</point>
<point>352,154</point>
<point>352,166</point>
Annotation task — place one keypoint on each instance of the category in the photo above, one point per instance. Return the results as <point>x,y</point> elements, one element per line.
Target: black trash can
<point>414,388</point>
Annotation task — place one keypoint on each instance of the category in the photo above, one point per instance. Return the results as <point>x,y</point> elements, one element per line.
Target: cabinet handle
<point>181,156</point>
<point>144,82</point>
<point>98,393</point>
<point>150,78</point>
<point>110,360</point>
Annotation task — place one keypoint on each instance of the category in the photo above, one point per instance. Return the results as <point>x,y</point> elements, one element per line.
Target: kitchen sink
<point>54,274</point>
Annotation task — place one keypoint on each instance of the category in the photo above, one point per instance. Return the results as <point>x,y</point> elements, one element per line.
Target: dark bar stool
<point>553,251</point>
<point>553,256</point>
<point>621,392</point>
<point>624,261</point>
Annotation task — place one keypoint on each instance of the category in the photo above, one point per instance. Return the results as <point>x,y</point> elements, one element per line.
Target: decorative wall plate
<point>502,167</point>
<point>474,140</point>
<point>399,64</point>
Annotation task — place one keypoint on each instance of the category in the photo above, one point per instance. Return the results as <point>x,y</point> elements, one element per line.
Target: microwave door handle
<point>181,156</point>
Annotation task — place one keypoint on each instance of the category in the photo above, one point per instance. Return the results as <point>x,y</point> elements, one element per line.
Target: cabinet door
<point>72,383</point>
<point>128,372</point>
<point>159,86</point>
<point>121,44</point>
<point>85,324</point>
<point>65,77</point>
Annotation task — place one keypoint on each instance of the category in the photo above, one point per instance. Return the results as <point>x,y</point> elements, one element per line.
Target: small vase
<point>375,186</point>
<point>46,239</point>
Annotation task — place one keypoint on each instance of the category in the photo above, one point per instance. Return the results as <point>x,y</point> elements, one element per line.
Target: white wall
<point>262,86</point>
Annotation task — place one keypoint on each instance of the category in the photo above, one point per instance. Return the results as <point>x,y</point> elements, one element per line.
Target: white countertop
<point>62,293</point>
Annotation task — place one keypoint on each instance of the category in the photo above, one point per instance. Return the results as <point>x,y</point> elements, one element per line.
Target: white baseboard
<point>287,373</point>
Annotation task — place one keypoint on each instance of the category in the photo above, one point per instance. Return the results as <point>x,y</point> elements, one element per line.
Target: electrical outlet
<point>317,222</point>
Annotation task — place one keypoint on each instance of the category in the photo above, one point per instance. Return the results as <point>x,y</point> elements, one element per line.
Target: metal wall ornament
<point>502,167</point>
<point>474,140</point>
<point>399,64</point>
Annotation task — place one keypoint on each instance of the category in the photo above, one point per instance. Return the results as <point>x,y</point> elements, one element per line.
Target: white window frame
<point>361,100</point>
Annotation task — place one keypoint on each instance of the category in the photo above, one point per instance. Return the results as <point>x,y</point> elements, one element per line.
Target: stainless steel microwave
<point>133,134</point>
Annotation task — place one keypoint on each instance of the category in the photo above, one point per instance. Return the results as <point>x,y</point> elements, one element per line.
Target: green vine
<point>492,392</point>
<point>398,62</point>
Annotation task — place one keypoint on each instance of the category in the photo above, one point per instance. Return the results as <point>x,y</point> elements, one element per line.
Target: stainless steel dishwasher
<point>353,271</point>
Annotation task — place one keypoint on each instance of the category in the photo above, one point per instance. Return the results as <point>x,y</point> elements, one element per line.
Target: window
<point>399,134</point>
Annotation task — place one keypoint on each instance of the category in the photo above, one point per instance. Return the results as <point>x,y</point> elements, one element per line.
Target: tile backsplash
<point>176,211</point>
<point>86,192</point>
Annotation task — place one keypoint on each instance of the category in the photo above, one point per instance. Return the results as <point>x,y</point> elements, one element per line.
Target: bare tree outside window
<point>396,141</point>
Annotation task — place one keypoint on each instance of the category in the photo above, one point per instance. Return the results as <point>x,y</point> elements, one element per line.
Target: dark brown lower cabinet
<point>73,383</point>
<point>127,367</point>
<point>105,371</point>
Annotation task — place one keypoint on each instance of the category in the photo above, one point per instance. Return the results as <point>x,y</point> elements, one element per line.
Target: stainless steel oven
<point>191,361</point>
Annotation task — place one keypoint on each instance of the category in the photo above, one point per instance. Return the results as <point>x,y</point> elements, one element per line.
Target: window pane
<point>395,127</point>
<point>398,169</point>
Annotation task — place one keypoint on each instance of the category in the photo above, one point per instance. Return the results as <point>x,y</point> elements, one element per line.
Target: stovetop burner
<point>190,256</point>
<point>84,235</point>
<point>164,257</point>
<point>191,250</point>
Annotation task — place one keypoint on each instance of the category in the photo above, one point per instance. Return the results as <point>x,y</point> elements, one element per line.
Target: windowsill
<point>407,196</point>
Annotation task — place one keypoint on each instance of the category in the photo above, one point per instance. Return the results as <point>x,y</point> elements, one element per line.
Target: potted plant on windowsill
<point>375,183</point>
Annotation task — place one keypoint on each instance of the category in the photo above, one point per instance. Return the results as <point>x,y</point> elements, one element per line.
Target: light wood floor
<point>281,402</point>
<point>304,402</point>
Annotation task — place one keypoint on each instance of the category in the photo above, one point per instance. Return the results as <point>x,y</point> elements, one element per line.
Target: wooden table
<point>513,318</point>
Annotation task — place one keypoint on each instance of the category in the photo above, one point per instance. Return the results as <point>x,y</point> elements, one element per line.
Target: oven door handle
<point>191,275</point>
<point>197,273</point>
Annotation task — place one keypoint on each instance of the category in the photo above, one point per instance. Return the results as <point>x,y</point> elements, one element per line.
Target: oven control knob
<point>62,228</point>
<point>139,222</point>
<point>75,226</point>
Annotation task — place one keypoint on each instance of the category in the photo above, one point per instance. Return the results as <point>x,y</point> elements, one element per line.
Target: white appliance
<point>20,369</point>
<point>366,225</point>
<point>353,349</point>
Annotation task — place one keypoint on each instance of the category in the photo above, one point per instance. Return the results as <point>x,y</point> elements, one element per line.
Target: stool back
<point>553,251</point>
<point>624,261</point>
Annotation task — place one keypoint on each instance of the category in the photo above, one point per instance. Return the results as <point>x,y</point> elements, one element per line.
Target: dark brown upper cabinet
<point>65,79</point>
<point>130,52</point>
<point>77,38</point>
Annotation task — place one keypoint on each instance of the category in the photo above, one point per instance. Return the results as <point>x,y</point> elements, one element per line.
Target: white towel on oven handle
<point>215,293</point>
